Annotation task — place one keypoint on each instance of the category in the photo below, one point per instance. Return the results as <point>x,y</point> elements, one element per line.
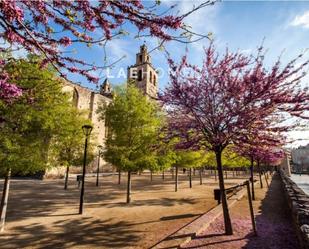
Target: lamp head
<point>87,130</point>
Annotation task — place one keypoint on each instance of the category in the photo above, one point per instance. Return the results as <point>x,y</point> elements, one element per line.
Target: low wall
<point>59,172</point>
<point>298,202</point>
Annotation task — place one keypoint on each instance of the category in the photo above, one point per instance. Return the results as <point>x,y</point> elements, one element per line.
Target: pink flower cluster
<point>43,26</point>
<point>233,99</point>
<point>8,91</point>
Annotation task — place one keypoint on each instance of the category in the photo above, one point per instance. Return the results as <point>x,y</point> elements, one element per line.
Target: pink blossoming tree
<point>232,97</point>
<point>47,27</point>
<point>268,152</point>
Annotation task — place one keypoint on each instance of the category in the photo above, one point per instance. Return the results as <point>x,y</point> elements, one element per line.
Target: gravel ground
<point>41,214</point>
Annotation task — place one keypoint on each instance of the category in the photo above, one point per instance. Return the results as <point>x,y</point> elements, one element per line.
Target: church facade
<point>89,101</point>
<point>142,74</point>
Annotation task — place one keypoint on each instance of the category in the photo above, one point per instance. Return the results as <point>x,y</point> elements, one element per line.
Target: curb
<point>197,226</point>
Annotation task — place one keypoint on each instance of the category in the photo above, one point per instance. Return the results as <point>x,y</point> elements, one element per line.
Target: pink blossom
<point>8,91</point>
<point>75,21</point>
<point>65,41</point>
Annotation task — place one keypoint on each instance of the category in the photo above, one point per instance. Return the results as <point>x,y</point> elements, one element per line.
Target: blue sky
<point>237,24</point>
<point>240,25</point>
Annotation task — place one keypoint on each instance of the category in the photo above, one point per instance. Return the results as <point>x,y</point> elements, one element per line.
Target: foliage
<point>67,145</point>
<point>134,122</point>
<point>190,159</point>
<point>231,99</point>
<point>8,91</point>
<point>231,159</point>
<point>35,120</point>
<point>164,149</point>
<point>271,155</point>
<point>47,27</point>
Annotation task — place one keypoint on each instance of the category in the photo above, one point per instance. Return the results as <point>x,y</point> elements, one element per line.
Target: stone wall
<point>89,101</point>
<point>298,202</point>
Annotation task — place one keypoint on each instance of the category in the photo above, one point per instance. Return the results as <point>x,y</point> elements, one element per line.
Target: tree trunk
<point>225,174</point>
<point>201,178</point>
<point>163,175</point>
<point>193,172</point>
<point>266,179</point>
<point>172,169</point>
<point>129,187</point>
<point>226,215</point>
<point>4,199</point>
<point>252,180</point>
<point>176,179</point>
<point>260,174</point>
<point>119,176</point>
<point>233,173</point>
<point>151,175</point>
<point>98,171</point>
<point>215,175</point>
<point>66,178</point>
<point>190,177</point>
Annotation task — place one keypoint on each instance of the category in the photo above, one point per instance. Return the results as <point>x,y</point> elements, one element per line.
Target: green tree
<point>30,123</point>
<point>232,160</point>
<point>189,159</point>
<point>134,122</point>
<point>67,145</point>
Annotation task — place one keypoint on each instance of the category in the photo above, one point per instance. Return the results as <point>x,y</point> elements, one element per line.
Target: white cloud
<point>203,21</point>
<point>246,51</point>
<point>118,48</point>
<point>301,20</point>
<point>300,138</point>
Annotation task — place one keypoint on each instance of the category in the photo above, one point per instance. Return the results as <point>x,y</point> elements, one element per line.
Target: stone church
<point>142,74</point>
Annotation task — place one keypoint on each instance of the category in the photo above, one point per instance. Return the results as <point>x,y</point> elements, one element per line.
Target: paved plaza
<point>41,214</point>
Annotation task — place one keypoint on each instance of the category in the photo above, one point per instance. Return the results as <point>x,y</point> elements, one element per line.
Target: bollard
<point>251,208</point>
<point>266,179</point>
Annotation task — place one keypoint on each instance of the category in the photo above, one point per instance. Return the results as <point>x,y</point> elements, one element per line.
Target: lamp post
<point>87,131</point>
<point>98,168</point>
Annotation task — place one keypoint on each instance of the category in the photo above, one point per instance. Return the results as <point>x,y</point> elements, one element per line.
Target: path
<point>273,221</point>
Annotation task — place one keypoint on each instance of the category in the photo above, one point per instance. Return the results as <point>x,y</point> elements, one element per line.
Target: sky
<point>239,25</point>
<point>282,26</point>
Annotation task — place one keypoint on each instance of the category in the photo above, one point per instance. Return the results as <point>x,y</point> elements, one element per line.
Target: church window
<point>154,79</point>
<point>75,98</point>
<point>140,58</point>
<point>139,77</point>
<point>106,132</point>
<point>150,76</point>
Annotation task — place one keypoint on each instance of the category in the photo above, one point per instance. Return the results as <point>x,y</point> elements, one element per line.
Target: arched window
<point>150,76</point>
<point>75,98</point>
<point>140,76</point>
<point>154,79</point>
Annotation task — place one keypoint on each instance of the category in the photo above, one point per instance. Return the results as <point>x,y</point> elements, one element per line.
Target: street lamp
<point>87,131</point>
<point>98,168</point>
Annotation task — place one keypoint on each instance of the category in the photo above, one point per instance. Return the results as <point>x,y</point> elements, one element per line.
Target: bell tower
<point>143,74</point>
<point>106,89</point>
